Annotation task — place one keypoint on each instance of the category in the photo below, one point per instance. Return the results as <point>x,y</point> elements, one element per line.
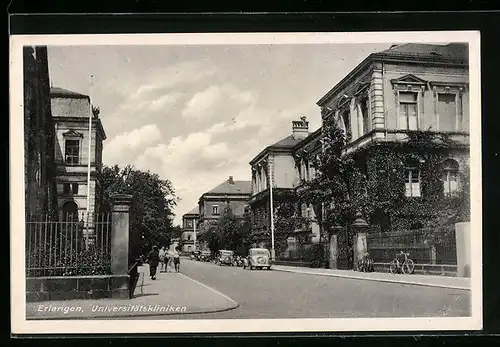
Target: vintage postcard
<point>274,182</point>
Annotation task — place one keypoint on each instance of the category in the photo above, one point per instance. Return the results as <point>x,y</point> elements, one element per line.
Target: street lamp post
<point>194,234</point>
<point>272,212</point>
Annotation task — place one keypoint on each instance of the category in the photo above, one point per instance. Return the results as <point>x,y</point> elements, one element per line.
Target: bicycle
<point>405,266</point>
<point>365,264</point>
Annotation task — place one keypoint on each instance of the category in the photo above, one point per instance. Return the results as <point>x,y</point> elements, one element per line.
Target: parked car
<point>258,258</point>
<point>205,256</point>
<point>225,257</point>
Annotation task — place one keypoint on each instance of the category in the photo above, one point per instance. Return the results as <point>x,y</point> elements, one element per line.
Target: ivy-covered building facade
<point>405,114</point>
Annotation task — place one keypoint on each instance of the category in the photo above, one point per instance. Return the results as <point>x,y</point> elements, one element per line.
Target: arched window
<point>70,211</point>
<point>450,177</point>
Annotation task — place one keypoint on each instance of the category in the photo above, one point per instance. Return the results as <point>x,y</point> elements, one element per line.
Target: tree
<point>151,210</point>
<point>336,180</point>
<point>229,230</point>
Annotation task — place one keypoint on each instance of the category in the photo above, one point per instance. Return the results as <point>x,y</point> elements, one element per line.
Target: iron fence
<point>426,246</point>
<point>71,246</point>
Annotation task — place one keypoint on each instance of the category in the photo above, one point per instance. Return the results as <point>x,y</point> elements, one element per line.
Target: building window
<point>70,188</point>
<point>408,111</point>
<point>189,237</point>
<point>412,183</point>
<point>365,115</point>
<point>72,151</point>
<point>346,119</point>
<point>447,112</point>
<point>190,223</point>
<point>215,209</point>
<point>450,177</point>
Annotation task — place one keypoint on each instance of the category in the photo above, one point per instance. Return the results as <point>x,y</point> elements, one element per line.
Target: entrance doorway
<point>70,211</point>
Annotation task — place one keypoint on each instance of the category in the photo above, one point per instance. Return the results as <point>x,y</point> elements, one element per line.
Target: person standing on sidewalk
<point>177,259</point>
<point>153,260</point>
<point>162,254</point>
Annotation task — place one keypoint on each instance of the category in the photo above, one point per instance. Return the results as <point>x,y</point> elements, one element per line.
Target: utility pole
<point>273,253</point>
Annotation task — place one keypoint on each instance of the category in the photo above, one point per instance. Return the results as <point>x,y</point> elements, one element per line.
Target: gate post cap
<point>359,221</point>
<point>121,199</point>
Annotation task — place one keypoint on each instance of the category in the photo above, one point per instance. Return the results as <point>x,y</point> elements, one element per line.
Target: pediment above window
<point>73,133</point>
<point>410,81</point>
<point>447,87</point>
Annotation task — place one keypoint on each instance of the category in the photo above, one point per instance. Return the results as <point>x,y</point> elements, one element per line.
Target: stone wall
<point>77,287</point>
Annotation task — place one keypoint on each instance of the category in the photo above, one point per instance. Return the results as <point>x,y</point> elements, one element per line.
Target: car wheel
<point>269,268</point>
<point>251,267</point>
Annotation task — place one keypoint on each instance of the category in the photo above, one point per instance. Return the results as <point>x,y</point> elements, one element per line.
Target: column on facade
<point>377,98</point>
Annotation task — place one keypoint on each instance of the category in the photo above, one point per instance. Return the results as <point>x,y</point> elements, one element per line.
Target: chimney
<point>300,128</point>
<point>230,180</point>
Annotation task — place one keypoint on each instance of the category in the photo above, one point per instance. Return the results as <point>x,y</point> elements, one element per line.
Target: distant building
<point>39,169</point>
<point>230,193</point>
<point>70,114</point>
<point>188,224</point>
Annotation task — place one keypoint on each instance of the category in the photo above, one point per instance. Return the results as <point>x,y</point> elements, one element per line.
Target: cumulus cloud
<point>122,146</point>
<point>218,101</point>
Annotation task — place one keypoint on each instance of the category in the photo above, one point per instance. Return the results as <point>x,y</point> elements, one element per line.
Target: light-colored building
<point>406,88</point>
<point>230,193</point>
<point>278,164</point>
<point>70,114</point>
<point>189,222</point>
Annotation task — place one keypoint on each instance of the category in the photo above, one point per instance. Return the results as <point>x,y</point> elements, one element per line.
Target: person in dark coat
<point>153,260</point>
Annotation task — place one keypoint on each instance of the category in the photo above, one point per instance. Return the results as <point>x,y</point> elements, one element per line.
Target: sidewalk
<point>169,294</point>
<point>421,280</point>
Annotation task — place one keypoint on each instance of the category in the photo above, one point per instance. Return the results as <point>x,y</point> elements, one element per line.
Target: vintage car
<point>258,258</point>
<point>205,255</point>
<point>225,257</point>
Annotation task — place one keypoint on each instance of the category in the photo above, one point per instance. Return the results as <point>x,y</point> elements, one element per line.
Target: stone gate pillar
<point>120,233</point>
<point>462,237</point>
<point>359,229</point>
<point>333,251</point>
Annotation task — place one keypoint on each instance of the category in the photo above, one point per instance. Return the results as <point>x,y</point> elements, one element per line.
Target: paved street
<point>276,294</point>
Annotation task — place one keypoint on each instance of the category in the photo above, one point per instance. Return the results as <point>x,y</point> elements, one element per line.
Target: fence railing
<point>68,247</point>
<point>426,246</point>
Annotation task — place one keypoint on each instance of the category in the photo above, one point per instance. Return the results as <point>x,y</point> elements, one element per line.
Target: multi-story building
<point>189,221</point>
<point>304,154</point>
<point>230,193</point>
<point>39,170</point>
<point>279,164</point>
<point>71,113</point>
<point>389,96</point>
<point>404,90</point>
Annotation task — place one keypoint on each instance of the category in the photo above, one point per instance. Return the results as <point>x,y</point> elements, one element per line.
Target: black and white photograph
<point>246,182</point>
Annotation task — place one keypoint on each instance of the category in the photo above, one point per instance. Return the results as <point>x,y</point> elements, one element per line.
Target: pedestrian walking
<point>162,254</point>
<point>177,259</point>
<point>169,260</point>
<point>153,260</point>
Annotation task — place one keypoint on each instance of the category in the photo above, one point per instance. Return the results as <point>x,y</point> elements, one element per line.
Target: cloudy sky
<point>198,114</point>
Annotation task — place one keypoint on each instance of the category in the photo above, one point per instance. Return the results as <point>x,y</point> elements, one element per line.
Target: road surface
<point>276,294</point>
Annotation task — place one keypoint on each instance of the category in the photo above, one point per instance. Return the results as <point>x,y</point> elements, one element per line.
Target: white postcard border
<point>18,305</point>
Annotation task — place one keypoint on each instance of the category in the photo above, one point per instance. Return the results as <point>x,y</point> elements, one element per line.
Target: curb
<point>424,284</point>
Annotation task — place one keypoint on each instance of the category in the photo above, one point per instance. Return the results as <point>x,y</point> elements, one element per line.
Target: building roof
<point>195,210</point>
<point>453,53</point>
<point>316,135</point>
<point>238,187</point>
<point>64,93</point>
<point>285,143</point>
